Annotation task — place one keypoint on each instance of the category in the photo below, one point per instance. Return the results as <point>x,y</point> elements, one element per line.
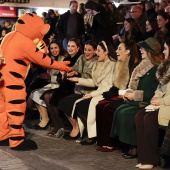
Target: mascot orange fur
<point>19,49</point>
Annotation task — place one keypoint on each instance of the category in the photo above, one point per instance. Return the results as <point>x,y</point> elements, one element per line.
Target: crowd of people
<point>117,93</point>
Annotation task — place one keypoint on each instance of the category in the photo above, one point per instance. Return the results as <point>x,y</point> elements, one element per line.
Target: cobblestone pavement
<point>59,154</point>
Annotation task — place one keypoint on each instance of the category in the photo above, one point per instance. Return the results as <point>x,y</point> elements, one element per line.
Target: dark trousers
<point>147,137</point>
<point>104,116</point>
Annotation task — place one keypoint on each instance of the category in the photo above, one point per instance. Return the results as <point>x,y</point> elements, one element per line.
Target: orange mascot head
<point>32,26</point>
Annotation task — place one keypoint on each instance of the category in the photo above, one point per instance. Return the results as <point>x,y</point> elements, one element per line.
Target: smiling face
<point>144,53</point>
<point>166,51</point>
<point>121,52</point>
<point>127,26</point>
<point>102,55</point>
<point>72,48</point>
<point>89,51</point>
<point>54,49</point>
<point>148,26</point>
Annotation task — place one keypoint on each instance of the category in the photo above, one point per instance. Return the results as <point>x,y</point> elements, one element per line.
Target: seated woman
<point>147,123</point>
<point>57,53</point>
<point>82,68</point>
<point>102,77</point>
<point>151,28</point>
<point>129,31</point>
<point>140,90</point>
<point>105,108</point>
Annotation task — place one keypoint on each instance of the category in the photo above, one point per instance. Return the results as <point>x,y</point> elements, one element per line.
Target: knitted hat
<point>151,45</point>
<point>92,5</point>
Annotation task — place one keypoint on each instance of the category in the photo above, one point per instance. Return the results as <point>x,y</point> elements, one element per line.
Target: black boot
<point>4,142</point>
<point>26,145</point>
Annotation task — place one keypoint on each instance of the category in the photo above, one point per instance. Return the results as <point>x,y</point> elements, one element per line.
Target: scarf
<point>139,72</point>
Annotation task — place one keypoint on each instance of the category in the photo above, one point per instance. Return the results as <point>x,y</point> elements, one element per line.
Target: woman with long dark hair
<point>57,53</point>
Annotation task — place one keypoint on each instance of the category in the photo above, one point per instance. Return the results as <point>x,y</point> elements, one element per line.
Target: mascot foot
<point>26,145</point>
<point>4,142</point>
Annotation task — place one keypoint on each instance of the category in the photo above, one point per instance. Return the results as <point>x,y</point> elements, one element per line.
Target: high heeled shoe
<point>38,127</point>
<point>59,134</point>
<point>68,137</point>
<point>129,156</point>
<point>147,166</point>
<point>88,141</point>
<point>138,165</point>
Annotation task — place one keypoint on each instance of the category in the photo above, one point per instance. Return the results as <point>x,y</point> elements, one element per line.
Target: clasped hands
<point>155,101</point>
<point>128,96</point>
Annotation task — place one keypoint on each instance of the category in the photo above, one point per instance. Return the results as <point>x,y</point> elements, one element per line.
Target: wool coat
<point>84,68</point>
<point>163,93</point>
<point>102,76</point>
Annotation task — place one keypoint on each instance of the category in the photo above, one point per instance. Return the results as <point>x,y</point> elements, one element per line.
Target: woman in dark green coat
<point>141,88</point>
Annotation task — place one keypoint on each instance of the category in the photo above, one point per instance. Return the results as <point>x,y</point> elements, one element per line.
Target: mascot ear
<point>44,29</point>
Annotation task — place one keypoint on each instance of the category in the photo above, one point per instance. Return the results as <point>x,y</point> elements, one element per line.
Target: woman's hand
<point>70,74</point>
<point>95,12</point>
<point>155,101</point>
<point>73,79</point>
<point>128,96</point>
<point>121,38</point>
<point>87,96</point>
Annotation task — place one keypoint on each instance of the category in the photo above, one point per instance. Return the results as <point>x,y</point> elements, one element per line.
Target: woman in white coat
<point>147,122</point>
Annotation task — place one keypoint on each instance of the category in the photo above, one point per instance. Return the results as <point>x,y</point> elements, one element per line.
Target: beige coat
<point>102,75</point>
<point>163,92</point>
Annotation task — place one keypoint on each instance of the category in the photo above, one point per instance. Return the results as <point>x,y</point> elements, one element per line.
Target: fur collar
<point>139,72</point>
<point>121,74</point>
<point>101,70</point>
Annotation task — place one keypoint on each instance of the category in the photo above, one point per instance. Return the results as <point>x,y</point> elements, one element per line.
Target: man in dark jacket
<point>70,25</point>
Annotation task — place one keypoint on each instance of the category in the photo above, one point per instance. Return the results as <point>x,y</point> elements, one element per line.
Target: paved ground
<point>59,154</point>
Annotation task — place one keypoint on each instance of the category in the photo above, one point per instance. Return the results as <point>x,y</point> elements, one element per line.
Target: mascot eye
<point>20,21</point>
<point>30,14</point>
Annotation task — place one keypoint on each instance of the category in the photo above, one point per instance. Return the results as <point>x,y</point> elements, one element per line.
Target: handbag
<point>165,150</point>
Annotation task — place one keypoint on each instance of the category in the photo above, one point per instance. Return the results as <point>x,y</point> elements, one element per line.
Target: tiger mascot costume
<point>19,50</point>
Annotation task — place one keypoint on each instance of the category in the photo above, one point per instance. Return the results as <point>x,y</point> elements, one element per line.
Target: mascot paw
<point>4,142</point>
<point>26,145</point>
